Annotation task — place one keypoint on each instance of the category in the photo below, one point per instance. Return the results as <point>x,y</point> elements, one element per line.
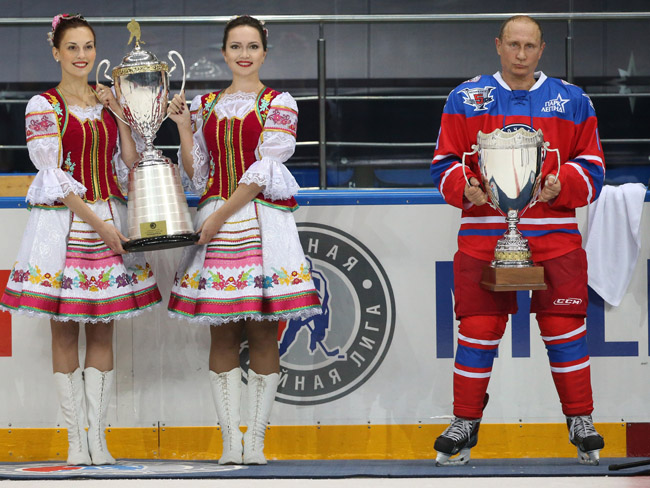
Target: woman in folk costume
<point>71,266</point>
<point>249,270</point>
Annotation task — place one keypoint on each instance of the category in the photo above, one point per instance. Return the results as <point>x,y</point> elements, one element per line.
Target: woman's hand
<point>210,227</point>
<point>106,98</point>
<point>112,237</point>
<point>179,112</point>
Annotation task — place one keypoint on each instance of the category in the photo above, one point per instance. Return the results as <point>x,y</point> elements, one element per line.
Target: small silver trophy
<point>158,214</point>
<point>511,168</point>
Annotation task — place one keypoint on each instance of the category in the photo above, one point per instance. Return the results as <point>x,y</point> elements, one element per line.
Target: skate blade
<point>444,459</point>
<point>591,458</point>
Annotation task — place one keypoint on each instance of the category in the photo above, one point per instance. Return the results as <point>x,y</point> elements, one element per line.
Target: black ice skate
<point>583,435</point>
<point>459,437</point>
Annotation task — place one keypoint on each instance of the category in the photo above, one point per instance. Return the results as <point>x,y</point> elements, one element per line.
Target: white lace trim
<point>255,179</point>
<point>203,320</point>
<point>199,178</point>
<point>239,95</point>
<point>51,185</point>
<point>65,318</point>
<point>87,113</point>
<point>276,180</point>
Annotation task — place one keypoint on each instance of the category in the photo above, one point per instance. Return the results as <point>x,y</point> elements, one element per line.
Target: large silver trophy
<point>511,167</point>
<point>158,215</point>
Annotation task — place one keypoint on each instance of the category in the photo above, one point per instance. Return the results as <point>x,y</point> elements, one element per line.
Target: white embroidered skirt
<point>254,268</point>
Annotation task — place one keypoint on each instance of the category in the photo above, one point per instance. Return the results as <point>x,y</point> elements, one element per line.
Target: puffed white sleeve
<point>201,163</point>
<point>277,144</point>
<point>51,183</point>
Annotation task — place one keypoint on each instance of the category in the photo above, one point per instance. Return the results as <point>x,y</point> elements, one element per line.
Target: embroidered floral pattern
<point>56,106</point>
<point>265,104</point>
<point>210,175</point>
<point>43,124</point>
<point>245,279</point>
<point>103,280</point>
<point>37,277</point>
<point>207,106</point>
<point>68,165</point>
<point>293,278</point>
<point>39,124</point>
<point>282,119</point>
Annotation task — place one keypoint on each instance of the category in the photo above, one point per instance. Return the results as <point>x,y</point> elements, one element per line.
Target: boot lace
<point>459,429</point>
<point>582,427</point>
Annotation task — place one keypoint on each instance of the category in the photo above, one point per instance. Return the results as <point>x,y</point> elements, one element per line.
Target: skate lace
<point>582,427</point>
<point>459,429</point>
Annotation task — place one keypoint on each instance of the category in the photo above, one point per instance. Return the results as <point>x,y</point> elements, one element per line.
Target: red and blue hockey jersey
<point>568,121</point>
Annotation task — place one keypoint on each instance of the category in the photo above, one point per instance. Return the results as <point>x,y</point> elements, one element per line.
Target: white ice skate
<point>584,436</point>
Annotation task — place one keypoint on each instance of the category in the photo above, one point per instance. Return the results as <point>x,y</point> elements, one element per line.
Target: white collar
<point>541,78</point>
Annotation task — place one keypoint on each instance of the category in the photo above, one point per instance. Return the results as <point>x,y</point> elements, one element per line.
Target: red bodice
<point>87,148</point>
<point>231,144</point>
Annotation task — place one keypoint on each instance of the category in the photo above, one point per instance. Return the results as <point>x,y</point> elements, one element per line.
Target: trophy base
<point>160,242</point>
<point>513,279</point>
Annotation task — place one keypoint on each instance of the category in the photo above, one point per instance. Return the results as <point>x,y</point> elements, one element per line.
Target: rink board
<point>372,380</point>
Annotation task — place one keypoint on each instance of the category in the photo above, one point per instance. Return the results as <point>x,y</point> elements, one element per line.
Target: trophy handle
<point>108,65</point>
<point>546,149</point>
<point>180,58</point>
<point>475,147</point>
<point>559,161</point>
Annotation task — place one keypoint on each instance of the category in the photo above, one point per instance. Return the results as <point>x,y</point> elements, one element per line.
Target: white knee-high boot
<point>226,392</point>
<point>261,396</point>
<point>99,388</point>
<point>70,387</point>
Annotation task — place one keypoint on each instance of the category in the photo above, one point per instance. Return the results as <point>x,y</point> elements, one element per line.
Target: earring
<point>57,60</point>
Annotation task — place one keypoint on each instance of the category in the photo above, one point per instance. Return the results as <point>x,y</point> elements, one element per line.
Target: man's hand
<point>474,194</point>
<point>552,187</point>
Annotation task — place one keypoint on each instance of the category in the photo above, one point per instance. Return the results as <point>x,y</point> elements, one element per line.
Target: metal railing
<point>322,20</point>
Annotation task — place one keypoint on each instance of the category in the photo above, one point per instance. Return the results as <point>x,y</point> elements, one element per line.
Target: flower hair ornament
<point>55,23</point>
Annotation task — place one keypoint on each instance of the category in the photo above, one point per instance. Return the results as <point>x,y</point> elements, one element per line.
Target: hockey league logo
<point>328,356</point>
<point>479,98</point>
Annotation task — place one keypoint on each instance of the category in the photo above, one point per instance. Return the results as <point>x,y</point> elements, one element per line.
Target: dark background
<point>362,59</point>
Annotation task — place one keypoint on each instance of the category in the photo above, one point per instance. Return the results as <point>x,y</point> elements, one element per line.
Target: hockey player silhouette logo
<point>326,357</point>
<point>317,327</point>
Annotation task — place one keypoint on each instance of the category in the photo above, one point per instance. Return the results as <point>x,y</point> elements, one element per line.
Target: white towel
<point>613,242</point>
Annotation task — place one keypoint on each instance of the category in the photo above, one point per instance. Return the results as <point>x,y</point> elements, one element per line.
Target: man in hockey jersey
<point>518,96</point>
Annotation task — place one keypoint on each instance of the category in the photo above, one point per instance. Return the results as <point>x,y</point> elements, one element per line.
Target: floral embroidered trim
<point>68,165</point>
<point>102,281</point>
<point>40,124</point>
<point>245,279</point>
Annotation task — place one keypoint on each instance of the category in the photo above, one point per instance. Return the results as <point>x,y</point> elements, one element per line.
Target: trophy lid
<point>138,60</point>
<point>509,139</point>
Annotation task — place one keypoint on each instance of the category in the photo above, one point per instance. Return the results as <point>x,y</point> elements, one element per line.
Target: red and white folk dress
<point>64,270</point>
<point>254,268</point>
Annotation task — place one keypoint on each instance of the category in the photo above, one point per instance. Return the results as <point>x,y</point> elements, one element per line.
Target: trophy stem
<point>512,250</point>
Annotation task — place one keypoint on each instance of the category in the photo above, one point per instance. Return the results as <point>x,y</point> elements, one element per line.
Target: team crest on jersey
<point>328,356</point>
<point>515,127</point>
<point>555,104</point>
<point>479,98</point>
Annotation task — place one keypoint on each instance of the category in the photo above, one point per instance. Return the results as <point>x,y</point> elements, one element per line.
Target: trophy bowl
<point>158,214</point>
<point>510,164</point>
